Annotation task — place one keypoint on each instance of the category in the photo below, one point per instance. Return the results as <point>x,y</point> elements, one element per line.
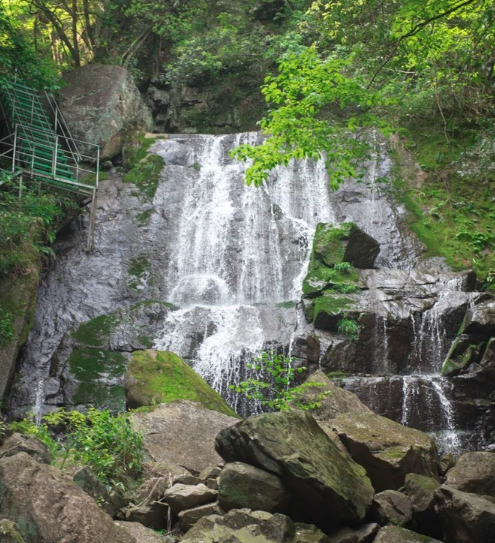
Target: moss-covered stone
<point>18,302</point>
<point>145,175</point>
<point>329,245</point>
<point>96,332</point>
<point>327,487</point>
<point>98,375</point>
<point>155,377</point>
<point>329,309</point>
<point>321,279</point>
<point>8,532</point>
<point>140,273</point>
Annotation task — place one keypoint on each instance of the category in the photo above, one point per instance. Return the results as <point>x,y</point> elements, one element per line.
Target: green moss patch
<point>96,332</point>
<point>145,175</point>
<point>452,212</point>
<point>155,377</point>
<point>140,273</point>
<point>328,245</point>
<point>95,370</point>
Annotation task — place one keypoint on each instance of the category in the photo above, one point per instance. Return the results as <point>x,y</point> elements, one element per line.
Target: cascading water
<point>233,259</point>
<point>238,260</point>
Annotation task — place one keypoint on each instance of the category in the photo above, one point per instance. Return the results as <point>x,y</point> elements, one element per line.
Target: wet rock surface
<point>465,517</point>
<point>244,486</point>
<point>196,426</point>
<point>102,105</point>
<point>47,507</point>
<point>386,449</point>
<point>327,487</point>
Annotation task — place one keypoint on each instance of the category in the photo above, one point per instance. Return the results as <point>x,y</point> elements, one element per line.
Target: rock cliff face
<point>196,263</point>
<point>102,105</point>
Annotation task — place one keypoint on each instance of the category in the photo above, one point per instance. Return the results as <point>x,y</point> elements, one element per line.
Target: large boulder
<point>158,377</point>
<point>474,472</point>
<point>387,450</point>
<point>391,507</point>
<point>31,445</point>
<point>181,497</point>
<point>480,318</point>
<point>47,507</point>
<point>246,526</point>
<point>345,243</point>
<point>182,433</point>
<point>102,105</point>
<point>465,517</point>
<point>327,487</point>
<point>244,486</point>
<point>394,534</point>
<point>336,400</point>
<point>421,492</point>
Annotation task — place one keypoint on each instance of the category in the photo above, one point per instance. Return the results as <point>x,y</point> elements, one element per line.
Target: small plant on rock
<point>276,393</point>
<point>349,327</point>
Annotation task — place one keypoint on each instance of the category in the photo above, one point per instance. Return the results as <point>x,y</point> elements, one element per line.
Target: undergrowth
<point>453,210</point>
<point>106,443</point>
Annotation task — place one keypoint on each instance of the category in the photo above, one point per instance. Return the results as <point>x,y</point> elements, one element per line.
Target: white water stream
<point>238,260</point>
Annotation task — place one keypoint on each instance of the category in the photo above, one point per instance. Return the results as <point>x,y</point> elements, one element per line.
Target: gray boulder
<point>242,526</point>
<point>480,318</point>
<point>189,517</point>
<point>337,402</point>
<point>327,487</point>
<point>474,472</point>
<point>391,507</point>
<point>244,486</point>
<point>387,450</point>
<point>153,514</point>
<point>465,517</point>
<point>102,105</point>
<point>31,445</point>
<point>47,507</point>
<point>394,534</point>
<point>364,534</point>
<point>140,533</point>
<point>182,433</point>
<point>180,497</point>
<point>421,492</point>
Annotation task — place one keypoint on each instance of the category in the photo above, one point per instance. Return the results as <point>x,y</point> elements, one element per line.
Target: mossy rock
<point>345,243</point>
<point>156,377</point>
<point>96,332</point>
<point>330,308</point>
<point>321,279</point>
<point>98,376</point>
<point>329,245</point>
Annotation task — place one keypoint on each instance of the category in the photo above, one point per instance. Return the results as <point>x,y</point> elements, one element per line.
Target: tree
<point>374,60</point>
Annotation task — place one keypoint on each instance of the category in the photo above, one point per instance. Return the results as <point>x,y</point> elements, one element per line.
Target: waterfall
<point>238,258</point>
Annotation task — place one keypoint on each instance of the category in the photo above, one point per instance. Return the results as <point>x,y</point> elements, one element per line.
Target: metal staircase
<point>40,148</point>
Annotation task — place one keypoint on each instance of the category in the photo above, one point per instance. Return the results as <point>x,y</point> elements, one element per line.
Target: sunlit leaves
<point>318,104</point>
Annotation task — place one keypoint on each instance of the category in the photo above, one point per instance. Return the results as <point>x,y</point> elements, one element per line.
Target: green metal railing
<point>41,149</point>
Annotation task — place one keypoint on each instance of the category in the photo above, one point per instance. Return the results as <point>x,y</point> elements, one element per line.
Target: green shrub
<point>105,443</point>
<point>276,393</point>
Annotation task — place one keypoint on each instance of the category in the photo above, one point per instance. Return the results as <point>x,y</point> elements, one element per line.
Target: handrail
<point>61,123</point>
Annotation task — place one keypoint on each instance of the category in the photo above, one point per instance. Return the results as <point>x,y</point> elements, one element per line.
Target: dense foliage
<point>105,443</point>
<point>273,388</point>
